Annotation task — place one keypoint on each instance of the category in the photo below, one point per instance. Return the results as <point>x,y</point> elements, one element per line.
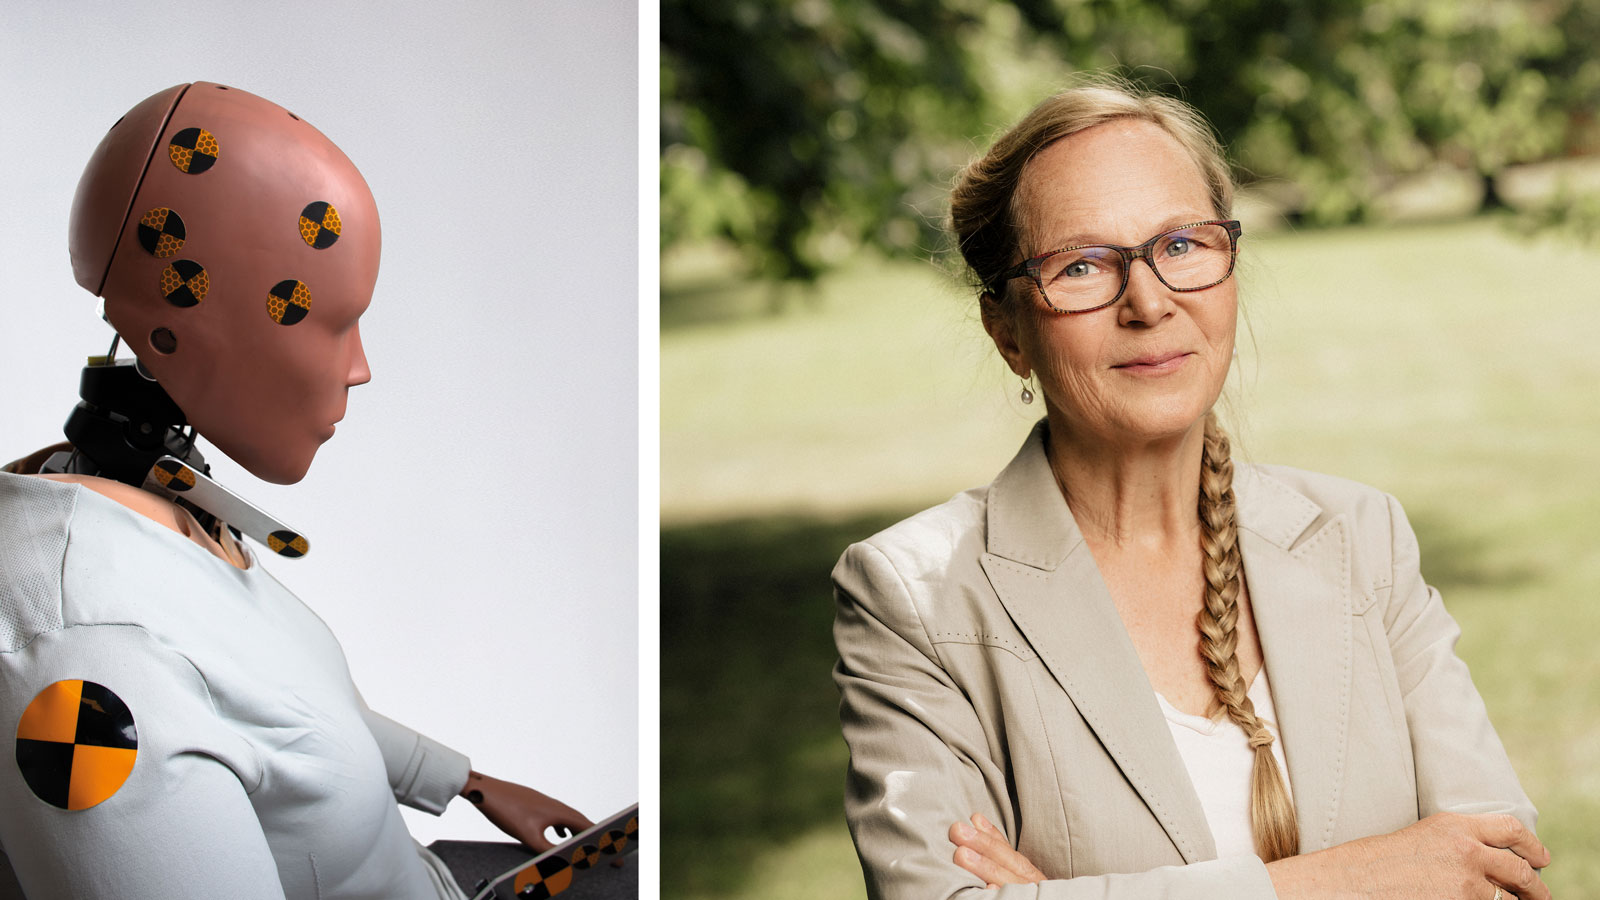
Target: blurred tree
<point>795,127</point>
<point>802,129</point>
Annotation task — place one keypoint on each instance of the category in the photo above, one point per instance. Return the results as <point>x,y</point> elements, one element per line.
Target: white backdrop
<point>474,523</point>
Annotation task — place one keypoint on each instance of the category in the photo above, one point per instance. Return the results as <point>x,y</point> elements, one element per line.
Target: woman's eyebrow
<point>1080,239</point>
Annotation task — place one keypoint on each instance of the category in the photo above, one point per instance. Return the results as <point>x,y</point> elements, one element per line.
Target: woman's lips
<point>1155,363</point>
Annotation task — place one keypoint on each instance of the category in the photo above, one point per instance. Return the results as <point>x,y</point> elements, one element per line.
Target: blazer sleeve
<point>920,761</point>
<point>1461,765</point>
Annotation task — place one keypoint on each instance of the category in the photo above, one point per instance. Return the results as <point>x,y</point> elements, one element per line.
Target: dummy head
<point>236,247</point>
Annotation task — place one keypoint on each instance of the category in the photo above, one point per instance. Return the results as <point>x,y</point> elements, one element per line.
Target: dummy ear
<point>1002,330</point>
<point>163,341</point>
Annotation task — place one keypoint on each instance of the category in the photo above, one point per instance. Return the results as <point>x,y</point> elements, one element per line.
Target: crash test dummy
<point>176,724</point>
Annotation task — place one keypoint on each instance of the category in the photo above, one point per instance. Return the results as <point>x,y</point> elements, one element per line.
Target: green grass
<point>1452,365</point>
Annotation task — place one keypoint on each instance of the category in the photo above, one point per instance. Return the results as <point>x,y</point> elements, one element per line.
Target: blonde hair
<point>985,214</point>
<point>1272,817</point>
<point>986,218</point>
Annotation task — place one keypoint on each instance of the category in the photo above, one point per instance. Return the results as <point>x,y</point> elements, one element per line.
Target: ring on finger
<point>1498,893</point>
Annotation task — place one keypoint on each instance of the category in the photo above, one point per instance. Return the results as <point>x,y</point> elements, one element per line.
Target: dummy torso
<point>252,749</point>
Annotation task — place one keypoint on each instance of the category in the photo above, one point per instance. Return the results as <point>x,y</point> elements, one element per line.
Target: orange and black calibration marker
<point>544,879</point>
<point>76,744</point>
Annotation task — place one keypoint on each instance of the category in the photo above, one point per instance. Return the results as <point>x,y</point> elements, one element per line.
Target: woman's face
<point>1149,366</point>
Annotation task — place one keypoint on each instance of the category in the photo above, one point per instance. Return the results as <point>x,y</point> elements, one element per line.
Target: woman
<point>1061,680</point>
<point>183,725</point>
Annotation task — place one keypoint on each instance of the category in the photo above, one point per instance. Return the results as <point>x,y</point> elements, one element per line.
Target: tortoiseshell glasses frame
<point>1036,266</point>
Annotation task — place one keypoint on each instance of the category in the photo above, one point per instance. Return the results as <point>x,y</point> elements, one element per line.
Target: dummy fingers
<point>549,813</point>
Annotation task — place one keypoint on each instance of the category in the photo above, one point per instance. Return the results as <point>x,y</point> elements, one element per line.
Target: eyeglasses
<point>1093,276</point>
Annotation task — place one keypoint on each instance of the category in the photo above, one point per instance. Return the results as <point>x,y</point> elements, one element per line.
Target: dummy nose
<point>360,372</point>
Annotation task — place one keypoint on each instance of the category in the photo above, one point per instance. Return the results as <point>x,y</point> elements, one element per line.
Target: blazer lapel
<point>1047,579</point>
<point>1297,566</point>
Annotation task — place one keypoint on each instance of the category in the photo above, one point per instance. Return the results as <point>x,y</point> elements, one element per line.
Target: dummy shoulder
<point>35,519</point>
<point>159,510</point>
<point>156,509</point>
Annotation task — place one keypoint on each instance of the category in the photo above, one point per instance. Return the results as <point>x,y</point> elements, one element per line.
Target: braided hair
<point>1272,815</point>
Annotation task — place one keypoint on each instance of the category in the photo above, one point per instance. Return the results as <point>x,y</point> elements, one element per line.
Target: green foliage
<point>800,130</point>
<point>1572,214</point>
<point>809,115</point>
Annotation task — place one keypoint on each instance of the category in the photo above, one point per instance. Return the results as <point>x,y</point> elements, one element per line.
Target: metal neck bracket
<point>128,429</point>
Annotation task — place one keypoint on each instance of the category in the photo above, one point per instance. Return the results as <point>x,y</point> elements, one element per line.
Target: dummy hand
<point>1444,855</point>
<point>982,850</point>
<point>522,812</point>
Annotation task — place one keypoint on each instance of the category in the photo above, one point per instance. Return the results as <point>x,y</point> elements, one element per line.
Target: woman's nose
<point>1146,300</point>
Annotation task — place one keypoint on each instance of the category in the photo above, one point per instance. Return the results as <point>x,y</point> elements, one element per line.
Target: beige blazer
<point>983,668</point>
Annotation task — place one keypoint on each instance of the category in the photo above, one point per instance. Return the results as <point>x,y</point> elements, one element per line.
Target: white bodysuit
<point>258,773</point>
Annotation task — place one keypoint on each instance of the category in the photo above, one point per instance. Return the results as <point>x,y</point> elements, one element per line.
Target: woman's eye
<point>1075,266</point>
<point>1178,246</point>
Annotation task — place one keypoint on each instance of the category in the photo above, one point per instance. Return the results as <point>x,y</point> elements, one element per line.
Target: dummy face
<point>239,280</point>
<point>267,395</point>
<point>1151,365</point>
<point>272,408</point>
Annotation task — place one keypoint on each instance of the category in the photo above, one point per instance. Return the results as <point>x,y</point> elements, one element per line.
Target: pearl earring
<point>1026,395</point>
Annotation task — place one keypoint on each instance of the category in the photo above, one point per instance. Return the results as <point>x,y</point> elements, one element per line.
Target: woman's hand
<point>1447,854</point>
<point>982,850</point>
<point>1444,855</point>
<point>522,812</point>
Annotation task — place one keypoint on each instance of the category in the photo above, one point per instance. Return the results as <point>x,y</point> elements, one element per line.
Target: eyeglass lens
<point>1188,258</point>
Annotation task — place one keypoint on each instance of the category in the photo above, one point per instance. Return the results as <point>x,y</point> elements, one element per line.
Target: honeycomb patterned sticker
<point>76,744</point>
<point>319,224</point>
<point>585,856</point>
<point>161,232</point>
<point>172,475</point>
<point>288,301</point>
<point>194,150</point>
<point>545,878</point>
<point>287,543</point>
<point>184,283</point>
<point>613,841</point>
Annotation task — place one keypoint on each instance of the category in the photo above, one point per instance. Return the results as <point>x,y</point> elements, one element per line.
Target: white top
<point>1218,756</point>
<point>259,775</point>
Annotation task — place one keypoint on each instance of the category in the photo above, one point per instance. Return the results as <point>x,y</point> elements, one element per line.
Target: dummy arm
<point>523,812</point>
<point>426,774</point>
